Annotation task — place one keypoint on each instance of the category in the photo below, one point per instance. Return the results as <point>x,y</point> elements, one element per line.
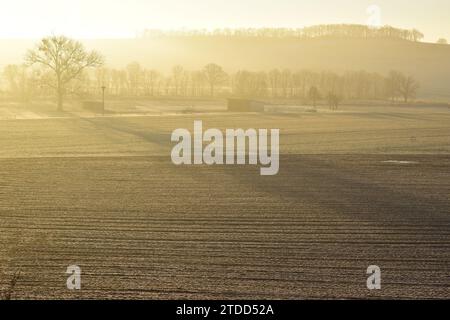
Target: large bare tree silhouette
<point>64,60</point>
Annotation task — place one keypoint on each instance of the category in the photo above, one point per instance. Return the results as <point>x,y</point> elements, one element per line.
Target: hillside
<point>429,63</point>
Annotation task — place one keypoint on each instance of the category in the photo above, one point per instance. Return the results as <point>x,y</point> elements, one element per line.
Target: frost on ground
<point>103,194</point>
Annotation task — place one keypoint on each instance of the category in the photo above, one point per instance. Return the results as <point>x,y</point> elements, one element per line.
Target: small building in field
<point>93,106</point>
<point>245,105</point>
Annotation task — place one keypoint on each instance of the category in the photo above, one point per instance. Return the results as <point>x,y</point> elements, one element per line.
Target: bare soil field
<point>358,187</point>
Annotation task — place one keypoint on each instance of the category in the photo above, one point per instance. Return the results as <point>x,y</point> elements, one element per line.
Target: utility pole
<point>103,91</point>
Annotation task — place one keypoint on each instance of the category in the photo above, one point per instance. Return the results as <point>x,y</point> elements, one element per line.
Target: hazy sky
<point>123,18</point>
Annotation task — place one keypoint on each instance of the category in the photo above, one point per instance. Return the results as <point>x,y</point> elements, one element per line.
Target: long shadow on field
<point>396,116</point>
<point>347,187</point>
<point>120,125</point>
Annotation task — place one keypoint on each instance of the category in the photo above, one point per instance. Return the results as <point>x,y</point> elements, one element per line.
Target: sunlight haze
<point>224,150</point>
<point>124,19</point>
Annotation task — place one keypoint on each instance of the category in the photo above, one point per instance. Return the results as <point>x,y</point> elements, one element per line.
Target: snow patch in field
<point>400,162</point>
<point>8,114</point>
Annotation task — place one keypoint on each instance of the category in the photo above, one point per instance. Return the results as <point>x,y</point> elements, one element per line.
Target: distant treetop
<point>318,31</point>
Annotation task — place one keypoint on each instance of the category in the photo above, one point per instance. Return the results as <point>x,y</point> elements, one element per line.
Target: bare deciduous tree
<point>151,79</point>
<point>135,73</point>
<point>64,60</point>
<point>333,100</point>
<point>314,95</point>
<point>12,75</point>
<point>274,78</point>
<point>214,75</point>
<point>408,87</point>
<point>177,78</point>
<point>393,84</point>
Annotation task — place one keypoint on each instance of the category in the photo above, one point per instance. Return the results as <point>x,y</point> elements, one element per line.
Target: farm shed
<point>93,106</point>
<point>245,105</point>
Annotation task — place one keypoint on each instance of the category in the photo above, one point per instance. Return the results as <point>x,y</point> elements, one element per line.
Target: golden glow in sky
<point>119,18</point>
